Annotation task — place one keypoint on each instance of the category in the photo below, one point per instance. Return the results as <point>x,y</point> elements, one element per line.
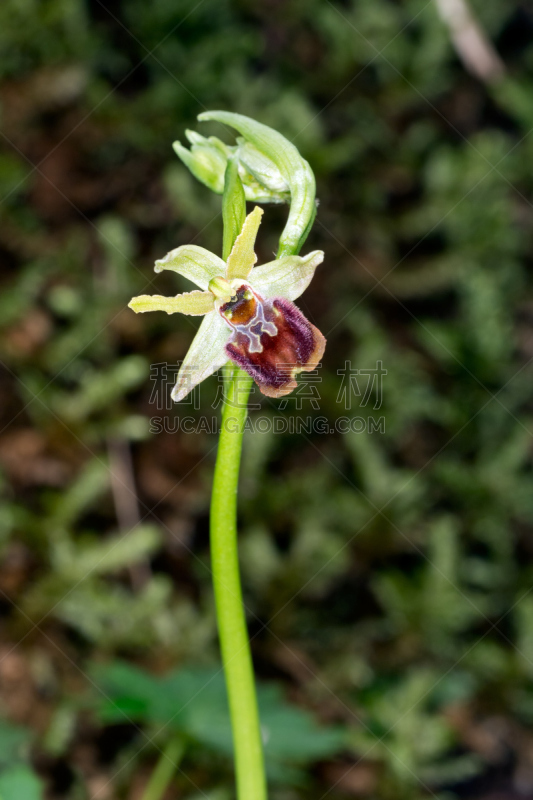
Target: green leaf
<point>294,169</point>
<point>100,389</point>
<point>103,556</point>
<point>14,742</point>
<point>292,734</point>
<point>194,703</point>
<point>88,486</point>
<point>129,691</point>
<point>112,616</point>
<point>20,783</point>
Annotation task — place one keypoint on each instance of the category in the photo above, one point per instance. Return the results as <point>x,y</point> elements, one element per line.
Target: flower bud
<point>207,159</point>
<point>255,165</point>
<point>279,161</point>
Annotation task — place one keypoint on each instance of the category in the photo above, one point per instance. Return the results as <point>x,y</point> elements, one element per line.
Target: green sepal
<point>233,207</point>
<point>193,262</point>
<point>293,168</point>
<point>286,277</point>
<point>205,355</point>
<point>193,303</point>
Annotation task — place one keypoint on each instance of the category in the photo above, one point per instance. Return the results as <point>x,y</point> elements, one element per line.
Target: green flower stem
<point>164,770</point>
<point>234,642</point>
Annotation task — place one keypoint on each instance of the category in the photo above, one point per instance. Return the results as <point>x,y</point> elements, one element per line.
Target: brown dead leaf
<point>23,456</point>
<point>359,779</point>
<point>28,335</point>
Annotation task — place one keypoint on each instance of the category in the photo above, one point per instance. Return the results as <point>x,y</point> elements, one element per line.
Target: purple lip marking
<point>275,344</point>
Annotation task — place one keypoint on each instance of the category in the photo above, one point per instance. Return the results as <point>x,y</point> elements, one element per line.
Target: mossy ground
<point>387,573</point>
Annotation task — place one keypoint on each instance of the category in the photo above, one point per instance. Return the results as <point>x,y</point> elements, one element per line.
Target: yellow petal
<point>193,303</point>
<point>242,257</point>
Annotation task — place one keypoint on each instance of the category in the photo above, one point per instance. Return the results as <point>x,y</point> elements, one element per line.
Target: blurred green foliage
<point>17,778</point>
<point>193,705</point>
<point>387,574</point>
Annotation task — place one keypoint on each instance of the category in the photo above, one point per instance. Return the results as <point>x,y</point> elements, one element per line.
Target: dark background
<point>387,574</point>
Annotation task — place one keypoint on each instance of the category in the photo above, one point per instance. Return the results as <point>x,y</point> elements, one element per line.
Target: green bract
<point>270,167</point>
<point>233,207</point>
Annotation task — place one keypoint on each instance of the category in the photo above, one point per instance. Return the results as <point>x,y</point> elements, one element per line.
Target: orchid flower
<point>249,316</point>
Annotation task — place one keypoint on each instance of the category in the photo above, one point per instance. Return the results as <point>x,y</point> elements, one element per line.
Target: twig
<point>164,771</point>
<point>125,499</point>
<point>471,44</point>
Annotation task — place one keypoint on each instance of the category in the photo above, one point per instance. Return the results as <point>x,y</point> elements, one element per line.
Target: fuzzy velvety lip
<point>297,347</point>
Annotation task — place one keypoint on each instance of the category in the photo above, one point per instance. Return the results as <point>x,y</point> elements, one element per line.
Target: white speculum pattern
<point>244,313</point>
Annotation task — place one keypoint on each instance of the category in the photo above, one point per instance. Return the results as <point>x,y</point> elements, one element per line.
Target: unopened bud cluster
<point>208,158</point>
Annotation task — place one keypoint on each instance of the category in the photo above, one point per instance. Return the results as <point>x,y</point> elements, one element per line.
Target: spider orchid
<point>249,316</point>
